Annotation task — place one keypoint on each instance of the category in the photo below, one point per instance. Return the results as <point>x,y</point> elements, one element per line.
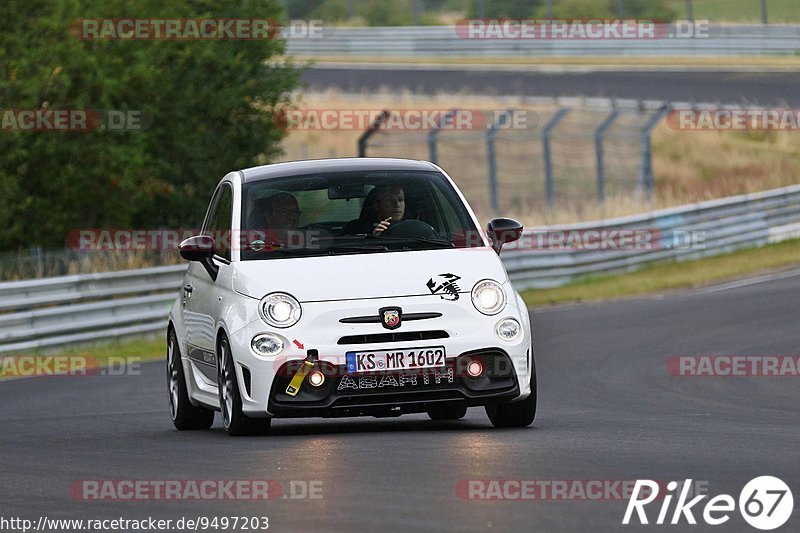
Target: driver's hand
<point>381,227</point>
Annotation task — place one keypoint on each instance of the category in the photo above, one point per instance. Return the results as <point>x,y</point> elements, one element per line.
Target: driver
<point>385,205</point>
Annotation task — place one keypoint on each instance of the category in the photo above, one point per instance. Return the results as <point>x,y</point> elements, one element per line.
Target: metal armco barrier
<point>65,310</point>
<point>420,41</point>
<point>725,225</point>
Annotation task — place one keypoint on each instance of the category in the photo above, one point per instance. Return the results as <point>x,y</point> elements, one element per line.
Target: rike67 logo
<point>765,503</point>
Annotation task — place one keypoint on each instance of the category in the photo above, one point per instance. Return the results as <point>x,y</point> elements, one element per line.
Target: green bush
<point>207,102</point>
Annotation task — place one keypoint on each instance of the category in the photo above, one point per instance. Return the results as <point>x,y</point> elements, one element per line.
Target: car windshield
<point>353,213</point>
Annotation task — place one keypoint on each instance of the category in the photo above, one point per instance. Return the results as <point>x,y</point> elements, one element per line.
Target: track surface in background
<point>608,410</point>
<point>768,88</point>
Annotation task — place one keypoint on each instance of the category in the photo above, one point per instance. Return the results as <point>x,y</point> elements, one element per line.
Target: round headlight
<point>280,310</point>
<point>488,297</point>
<point>267,344</point>
<point>508,330</point>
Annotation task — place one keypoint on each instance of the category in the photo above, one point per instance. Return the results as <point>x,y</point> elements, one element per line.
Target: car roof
<point>296,168</point>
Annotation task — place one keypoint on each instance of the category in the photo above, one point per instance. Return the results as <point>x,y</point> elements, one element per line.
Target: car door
<point>202,292</point>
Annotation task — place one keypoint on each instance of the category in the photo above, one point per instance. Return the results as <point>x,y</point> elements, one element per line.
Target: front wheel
<point>517,414</point>
<point>230,400</point>
<point>185,416</point>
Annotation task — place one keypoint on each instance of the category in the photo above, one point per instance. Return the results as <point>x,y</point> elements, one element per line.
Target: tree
<point>206,103</point>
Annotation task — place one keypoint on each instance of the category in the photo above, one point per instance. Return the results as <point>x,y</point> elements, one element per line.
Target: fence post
<point>598,150</point>
<point>433,136</point>
<point>646,168</point>
<point>491,158</point>
<point>548,162</point>
<point>376,123</point>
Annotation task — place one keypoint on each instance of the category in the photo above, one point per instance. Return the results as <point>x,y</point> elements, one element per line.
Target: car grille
<point>376,319</point>
<point>398,336</point>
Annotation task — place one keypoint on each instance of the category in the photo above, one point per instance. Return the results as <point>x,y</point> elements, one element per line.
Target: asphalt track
<point>608,410</point>
<point>761,88</point>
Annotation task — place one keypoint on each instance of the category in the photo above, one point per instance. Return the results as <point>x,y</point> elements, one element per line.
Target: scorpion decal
<point>445,286</point>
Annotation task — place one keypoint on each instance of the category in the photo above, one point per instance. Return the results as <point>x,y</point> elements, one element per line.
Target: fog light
<point>508,330</point>
<point>267,344</point>
<point>475,368</point>
<point>316,378</point>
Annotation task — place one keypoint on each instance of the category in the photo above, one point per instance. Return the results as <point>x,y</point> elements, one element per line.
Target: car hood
<point>374,275</point>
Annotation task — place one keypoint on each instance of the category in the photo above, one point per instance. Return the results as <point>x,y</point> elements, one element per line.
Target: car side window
<point>221,222</point>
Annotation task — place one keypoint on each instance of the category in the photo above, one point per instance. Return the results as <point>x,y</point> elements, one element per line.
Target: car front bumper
<point>396,392</point>
<point>467,333</point>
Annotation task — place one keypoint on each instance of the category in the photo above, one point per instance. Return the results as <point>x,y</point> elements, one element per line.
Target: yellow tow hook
<point>297,381</point>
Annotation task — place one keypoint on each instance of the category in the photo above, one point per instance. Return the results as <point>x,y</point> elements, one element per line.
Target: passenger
<point>276,219</point>
<point>282,212</point>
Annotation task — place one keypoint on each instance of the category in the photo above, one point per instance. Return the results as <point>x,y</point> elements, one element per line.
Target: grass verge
<point>117,356</point>
<point>669,276</point>
<point>147,349</point>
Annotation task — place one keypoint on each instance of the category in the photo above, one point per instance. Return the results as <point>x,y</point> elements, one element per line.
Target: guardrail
<point>47,312</point>
<point>65,310</point>
<point>726,224</point>
<point>416,41</point>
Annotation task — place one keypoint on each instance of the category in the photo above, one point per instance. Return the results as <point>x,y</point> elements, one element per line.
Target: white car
<point>347,287</point>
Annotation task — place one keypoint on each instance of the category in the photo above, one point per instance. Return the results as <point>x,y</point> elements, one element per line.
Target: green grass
<point>118,354</point>
<point>669,276</point>
<point>147,349</point>
<point>779,11</point>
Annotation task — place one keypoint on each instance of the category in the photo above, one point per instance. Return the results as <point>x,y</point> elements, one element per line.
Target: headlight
<point>267,345</point>
<point>488,297</point>
<point>508,330</point>
<point>280,310</point>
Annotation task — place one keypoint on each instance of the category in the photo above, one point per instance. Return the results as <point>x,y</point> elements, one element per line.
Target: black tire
<point>230,400</point>
<point>516,414</point>
<point>447,412</point>
<point>185,416</point>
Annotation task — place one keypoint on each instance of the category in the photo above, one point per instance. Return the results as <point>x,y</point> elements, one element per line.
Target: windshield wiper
<point>366,248</point>
<point>437,242</point>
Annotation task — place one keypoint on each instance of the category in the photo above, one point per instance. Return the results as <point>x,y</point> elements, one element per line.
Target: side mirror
<point>200,248</point>
<point>502,231</point>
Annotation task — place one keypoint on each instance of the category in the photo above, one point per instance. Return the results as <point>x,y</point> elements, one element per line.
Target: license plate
<point>402,359</point>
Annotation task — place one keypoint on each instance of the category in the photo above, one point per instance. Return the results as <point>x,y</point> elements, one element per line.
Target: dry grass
<point>45,264</point>
<point>760,63</point>
<point>688,166</point>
